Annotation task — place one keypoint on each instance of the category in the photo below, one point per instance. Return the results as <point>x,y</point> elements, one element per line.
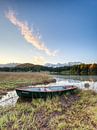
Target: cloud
<point>28,34</point>
<point>39,60</point>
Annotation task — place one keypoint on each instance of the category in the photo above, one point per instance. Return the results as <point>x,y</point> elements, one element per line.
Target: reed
<point>12,80</point>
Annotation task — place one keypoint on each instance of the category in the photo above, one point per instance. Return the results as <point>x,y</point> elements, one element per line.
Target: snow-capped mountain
<point>62,64</point>
<point>47,64</point>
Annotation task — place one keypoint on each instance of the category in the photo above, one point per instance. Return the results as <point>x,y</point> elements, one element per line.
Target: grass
<point>68,112</point>
<point>10,80</point>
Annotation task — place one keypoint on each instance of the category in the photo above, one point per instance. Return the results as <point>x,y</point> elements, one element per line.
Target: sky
<point>48,31</point>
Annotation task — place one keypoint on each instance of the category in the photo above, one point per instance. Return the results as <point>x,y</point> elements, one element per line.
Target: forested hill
<point>25,65</point>
<point>25,68</point>
<point>82,69</point>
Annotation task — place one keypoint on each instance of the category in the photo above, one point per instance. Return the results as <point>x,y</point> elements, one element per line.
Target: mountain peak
<point>62,64</point>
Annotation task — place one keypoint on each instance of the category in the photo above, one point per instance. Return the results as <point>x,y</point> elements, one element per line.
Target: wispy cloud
<point>38,60</point>
<point>27,33</point>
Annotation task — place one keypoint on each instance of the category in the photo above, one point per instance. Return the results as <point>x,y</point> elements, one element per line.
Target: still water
<point>11,97</point>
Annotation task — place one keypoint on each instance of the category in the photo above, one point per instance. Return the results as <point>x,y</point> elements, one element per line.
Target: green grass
<point>69,112</point>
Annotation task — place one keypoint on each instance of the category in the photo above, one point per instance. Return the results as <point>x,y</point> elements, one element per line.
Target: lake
<point>11,97</point>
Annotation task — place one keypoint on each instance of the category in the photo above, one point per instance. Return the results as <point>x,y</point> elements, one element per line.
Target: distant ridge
<point>20,65</point>
<point>62,65</point>
<point>25,65</point>
<point>46,65</point>
<point>9,65</point>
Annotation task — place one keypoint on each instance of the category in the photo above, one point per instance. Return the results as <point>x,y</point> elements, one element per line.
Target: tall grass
<point>11,80</point>
<point>69,112</point>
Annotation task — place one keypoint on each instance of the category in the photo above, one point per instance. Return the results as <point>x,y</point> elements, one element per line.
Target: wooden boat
<point>44,92</point>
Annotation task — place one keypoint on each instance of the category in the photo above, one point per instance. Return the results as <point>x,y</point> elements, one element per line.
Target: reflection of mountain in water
<point>80,78</point>
<point>79,81</point>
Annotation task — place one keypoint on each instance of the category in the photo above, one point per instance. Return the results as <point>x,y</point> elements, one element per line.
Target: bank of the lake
<point>69,112</point>
<point>11,80</point>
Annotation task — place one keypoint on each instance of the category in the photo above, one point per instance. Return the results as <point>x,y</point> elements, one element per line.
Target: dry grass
<point>12,80</point>
<point>69,112</point>
<point>10,76</point>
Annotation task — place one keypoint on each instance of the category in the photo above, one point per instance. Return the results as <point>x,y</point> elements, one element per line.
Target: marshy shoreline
<point>12,80</point>
<point>67,112</point>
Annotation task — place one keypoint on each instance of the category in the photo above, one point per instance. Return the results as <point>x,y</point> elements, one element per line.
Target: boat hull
<point>29,94</point>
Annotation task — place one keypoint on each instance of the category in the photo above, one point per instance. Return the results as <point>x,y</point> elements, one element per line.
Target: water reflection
<point>79,81</point>
<point>79,78</point>
<point>82,82</point>
<point>9,99</point>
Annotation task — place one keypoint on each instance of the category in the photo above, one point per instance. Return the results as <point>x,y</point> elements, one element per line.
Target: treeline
<point>36,68</point>
<point>82,69</point>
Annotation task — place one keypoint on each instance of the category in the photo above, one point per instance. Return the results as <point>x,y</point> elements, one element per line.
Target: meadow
<point>11,80</point>
<point>76,111</point>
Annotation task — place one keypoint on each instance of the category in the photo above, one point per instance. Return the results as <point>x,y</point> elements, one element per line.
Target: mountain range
<point>9,65</point>
<point>62,64</point>
<point>47,64</point>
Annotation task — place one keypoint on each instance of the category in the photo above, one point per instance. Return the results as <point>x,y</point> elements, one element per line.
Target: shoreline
<point>4,91</point>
